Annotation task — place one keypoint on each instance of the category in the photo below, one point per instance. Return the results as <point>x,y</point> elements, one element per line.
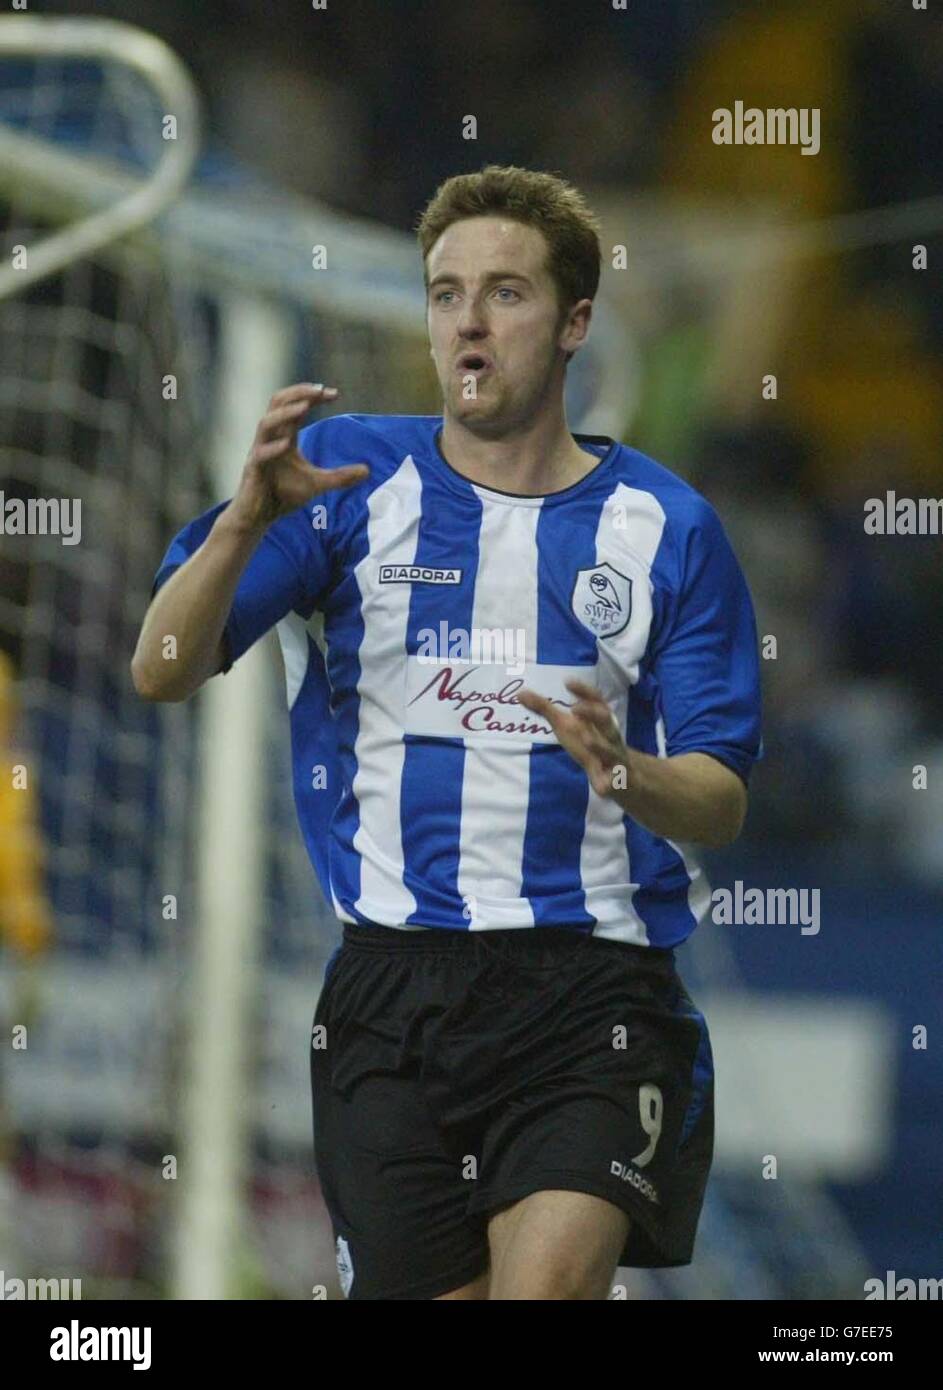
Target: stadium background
<point>333,128</point>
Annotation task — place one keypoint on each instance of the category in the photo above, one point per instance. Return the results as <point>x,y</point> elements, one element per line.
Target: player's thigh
<point>556,1244</point>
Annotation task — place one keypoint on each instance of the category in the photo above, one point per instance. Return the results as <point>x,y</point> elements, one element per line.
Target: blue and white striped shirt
<point>427,796</point>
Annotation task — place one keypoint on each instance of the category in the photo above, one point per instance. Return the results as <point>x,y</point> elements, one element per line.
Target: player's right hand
<point>276,479</point>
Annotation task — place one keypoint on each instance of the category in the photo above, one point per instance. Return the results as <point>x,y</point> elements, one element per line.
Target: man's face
<point>491,299</point>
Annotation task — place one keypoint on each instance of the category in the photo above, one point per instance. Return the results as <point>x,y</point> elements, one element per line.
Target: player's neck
<point>541,459</point>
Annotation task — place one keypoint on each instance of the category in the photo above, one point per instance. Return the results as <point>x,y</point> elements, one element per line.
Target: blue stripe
<point>314,744</point>
<point>662,906</point>
<point>559,788</point>
<point>431,793</point>
<point>702,1074</point>
<point>343,631</point>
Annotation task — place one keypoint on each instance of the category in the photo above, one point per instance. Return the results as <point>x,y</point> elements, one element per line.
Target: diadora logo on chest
<point>602,599</point>
<point>418,574</point>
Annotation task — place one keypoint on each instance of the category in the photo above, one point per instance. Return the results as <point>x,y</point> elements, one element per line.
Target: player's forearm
<point>179,645</point>
<point>690,797</point>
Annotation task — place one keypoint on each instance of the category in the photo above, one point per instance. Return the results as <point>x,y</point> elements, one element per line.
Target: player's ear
<point>574,325</point>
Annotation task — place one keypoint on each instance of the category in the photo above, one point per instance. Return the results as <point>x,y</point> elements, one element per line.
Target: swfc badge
<point>602,599</point>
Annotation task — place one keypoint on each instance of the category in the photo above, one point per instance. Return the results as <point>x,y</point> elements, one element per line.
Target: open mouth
<point>473,362</point>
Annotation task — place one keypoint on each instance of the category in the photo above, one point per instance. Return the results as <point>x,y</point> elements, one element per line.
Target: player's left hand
<point>587,730</point>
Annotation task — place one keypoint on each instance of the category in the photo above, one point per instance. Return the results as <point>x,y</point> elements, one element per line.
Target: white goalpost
<point>27,159</point>
<point>254,362</point>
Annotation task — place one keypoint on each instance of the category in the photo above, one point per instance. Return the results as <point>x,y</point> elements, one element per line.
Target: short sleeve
<point>287,571</point>
<point>705,656</point>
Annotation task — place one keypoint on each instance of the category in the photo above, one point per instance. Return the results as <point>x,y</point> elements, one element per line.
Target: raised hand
<point>276,479</point>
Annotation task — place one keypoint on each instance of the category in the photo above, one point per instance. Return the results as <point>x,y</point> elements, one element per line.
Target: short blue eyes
<point>502,289</point>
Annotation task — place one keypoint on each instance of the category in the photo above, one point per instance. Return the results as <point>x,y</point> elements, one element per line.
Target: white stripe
<point>394,509</point>
<point>496,784</point>
<point>338,910</point>
<point>628,534</point>
<point>293,639</point>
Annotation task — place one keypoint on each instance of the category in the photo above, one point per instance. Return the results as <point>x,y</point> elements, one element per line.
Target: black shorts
<point>454,1073</point>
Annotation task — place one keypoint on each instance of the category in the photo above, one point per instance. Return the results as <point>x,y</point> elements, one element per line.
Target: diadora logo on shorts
<point>345,1265</point>
<point>631,1175</point>
<point>602,599</point>
<point>418,574</point>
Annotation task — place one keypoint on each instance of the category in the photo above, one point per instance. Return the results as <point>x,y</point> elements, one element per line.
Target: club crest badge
<point>602,599</point>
